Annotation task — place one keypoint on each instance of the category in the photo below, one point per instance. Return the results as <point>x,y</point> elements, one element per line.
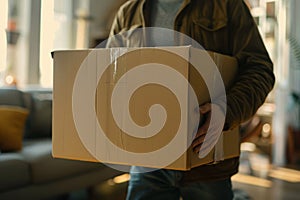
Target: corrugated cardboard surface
<point>67,143</point>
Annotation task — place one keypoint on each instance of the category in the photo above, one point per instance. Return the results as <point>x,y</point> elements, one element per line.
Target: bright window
<point>3,46</point>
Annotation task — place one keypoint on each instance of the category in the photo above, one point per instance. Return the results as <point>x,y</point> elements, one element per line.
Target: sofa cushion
<point>12,124</point>
<point>14,171</point>
<point>11,96</point>
<point>39,123</point>
<point>45,168</point>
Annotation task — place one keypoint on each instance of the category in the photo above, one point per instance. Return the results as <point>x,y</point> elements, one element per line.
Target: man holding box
<point>223,26</point>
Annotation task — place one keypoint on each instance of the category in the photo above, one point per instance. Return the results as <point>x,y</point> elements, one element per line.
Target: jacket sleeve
<point>117,22</point>
<point>116,27</point>
<point>255,76</point>
<point>122,23</point>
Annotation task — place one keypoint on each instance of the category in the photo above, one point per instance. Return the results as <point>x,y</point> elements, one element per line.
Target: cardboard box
<point>96,100</point>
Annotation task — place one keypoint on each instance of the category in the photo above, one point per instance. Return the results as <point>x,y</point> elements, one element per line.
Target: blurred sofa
<point>27,168</point>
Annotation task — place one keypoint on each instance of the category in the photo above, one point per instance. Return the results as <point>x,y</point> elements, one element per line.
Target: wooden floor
<point>280,190</point>
<point>256,180</point>
<point>257,189</point>
<point>274,189</point>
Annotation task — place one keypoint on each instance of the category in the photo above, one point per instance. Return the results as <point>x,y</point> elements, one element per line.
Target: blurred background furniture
<point>30,170</point>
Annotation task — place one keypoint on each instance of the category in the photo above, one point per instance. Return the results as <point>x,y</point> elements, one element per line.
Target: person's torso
<point>205,21</point>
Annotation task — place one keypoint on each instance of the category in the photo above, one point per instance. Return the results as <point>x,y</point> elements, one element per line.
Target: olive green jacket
<point>226,27</point>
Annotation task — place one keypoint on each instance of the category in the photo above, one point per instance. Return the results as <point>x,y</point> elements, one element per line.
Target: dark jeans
<point>165,184</point>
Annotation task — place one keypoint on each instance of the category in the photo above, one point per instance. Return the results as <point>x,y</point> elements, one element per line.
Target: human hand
<point>209,133</point>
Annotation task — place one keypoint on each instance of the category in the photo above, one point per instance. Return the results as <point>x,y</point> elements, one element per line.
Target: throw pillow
<point>12,124</point>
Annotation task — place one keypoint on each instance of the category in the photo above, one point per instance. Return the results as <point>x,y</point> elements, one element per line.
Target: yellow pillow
<point>12,124</point>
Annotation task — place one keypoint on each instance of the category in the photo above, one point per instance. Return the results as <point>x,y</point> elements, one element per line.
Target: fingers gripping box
<point>138,106</point>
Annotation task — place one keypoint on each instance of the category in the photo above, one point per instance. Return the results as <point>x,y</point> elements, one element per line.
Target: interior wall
<point>294,81</point>
<point>288,78</point>
<point>295,32</point>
